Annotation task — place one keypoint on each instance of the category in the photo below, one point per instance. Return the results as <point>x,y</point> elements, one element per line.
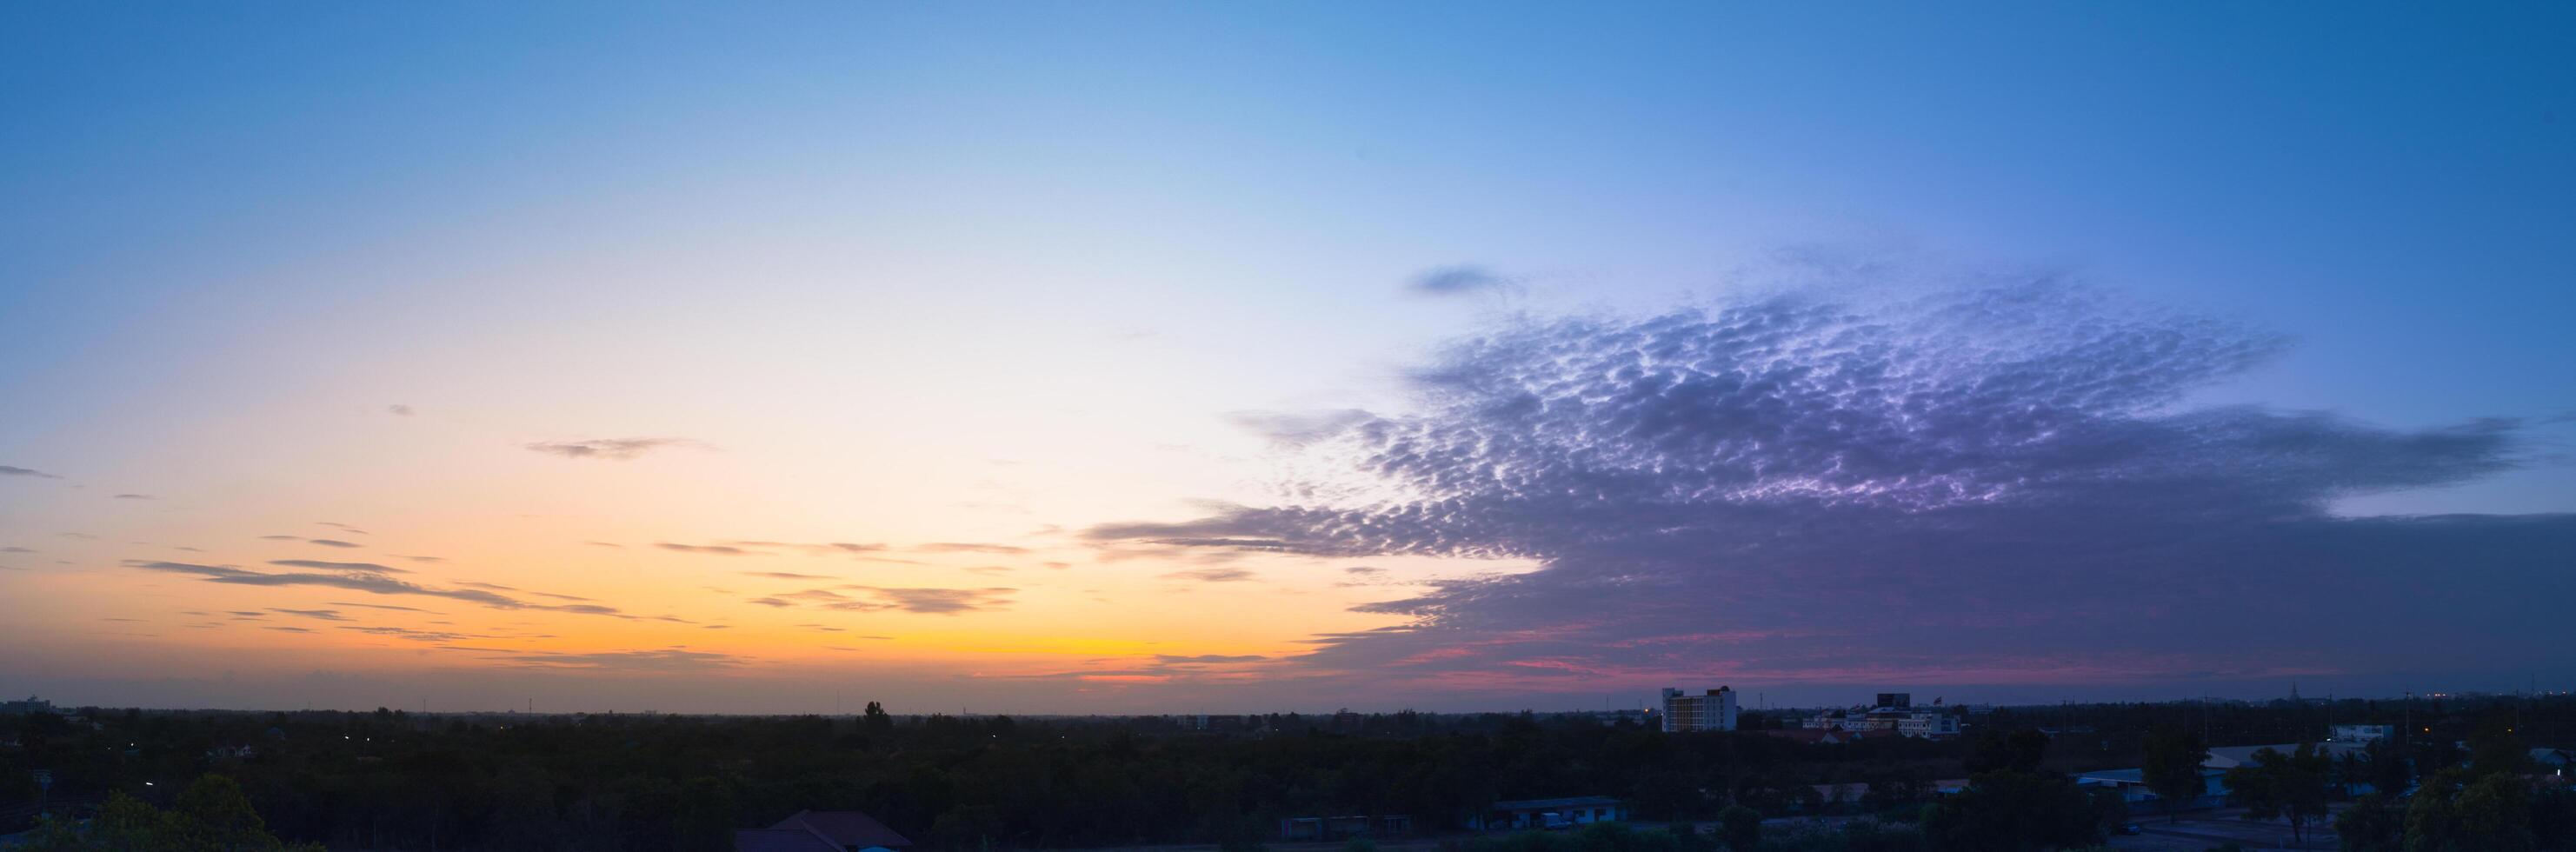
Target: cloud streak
<point>613,449</point>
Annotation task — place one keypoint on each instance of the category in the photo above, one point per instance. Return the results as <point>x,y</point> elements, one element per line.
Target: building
<point>2363,733</point>
<point>2213,772</point>
<point>822,831</point>
<point>2229,757</point>
<point>1345,827</point>
<point>31,705</point>
<point>1714,711</point>
<point>2132,787</point>
<point>1894,712</point>
<point>1824,736</point>
<point>1549,813</point>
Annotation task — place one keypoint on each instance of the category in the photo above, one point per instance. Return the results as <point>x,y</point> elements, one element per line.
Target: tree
<point>2017,751</point>
<point>2372,824</point>
<point>2494,749</point>
<point>877,720</point>
<point>2174,756</point>
<point>707,815</point>
<point>214,814</point>
<point>1742,827</point>
<point>2290,787</point>
<point>2389,773</point>
<point>2016,812</point>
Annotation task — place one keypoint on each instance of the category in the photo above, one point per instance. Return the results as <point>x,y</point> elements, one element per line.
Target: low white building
<point>2363,733</point>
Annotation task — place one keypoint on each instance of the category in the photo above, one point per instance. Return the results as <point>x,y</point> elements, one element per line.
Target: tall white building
<point>1714,711</point>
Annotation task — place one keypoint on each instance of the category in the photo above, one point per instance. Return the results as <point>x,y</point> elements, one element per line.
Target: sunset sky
<point>1141,357</point>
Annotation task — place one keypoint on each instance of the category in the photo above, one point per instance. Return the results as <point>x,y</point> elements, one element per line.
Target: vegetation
<point>2291,787</point>
<point>211,816</point>
<point>2172,767</point>
<point>391,780</point>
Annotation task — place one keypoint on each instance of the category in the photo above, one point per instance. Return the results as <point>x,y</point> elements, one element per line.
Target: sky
<point>1187,358</point>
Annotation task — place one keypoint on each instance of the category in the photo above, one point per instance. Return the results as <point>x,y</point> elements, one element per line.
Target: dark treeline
<point>394,780</point>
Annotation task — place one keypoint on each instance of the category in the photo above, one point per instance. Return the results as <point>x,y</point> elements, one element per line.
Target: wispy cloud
<point>398,410</point>
<point>357,567</point>
<point>323,614</point>
<point>716,549</point>
<point>787,575</point>
<point>133,497</point>
<point>382,606</point>
<point>613,449</point>
<point>969,547</point>
<point>1211,575</point>
<point>1297,429</point>
<point>9,470</point>
<point>1458,280</point>
<point>356,576</point>
<point>919,600</point>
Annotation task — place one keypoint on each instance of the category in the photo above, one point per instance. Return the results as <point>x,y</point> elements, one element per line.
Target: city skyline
<point>1435,357</point>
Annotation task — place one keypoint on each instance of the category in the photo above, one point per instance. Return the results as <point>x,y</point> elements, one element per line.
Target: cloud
<point>1299,429</point>
<point>605,544</point>
<point>431,636</point>
<point>922,600</point>
<point>341,526</point>
<point>18,550</point>
<point>1458,280</point>
<point>359,579</point>
<point>323,614</point>
<point>613,449</point>
<point>662,660</point>
<point>1211,575</point>
<point>325,542</point>
<point>133,497</point>
<point>717,549</point>
<point>281,538</point>
<point>423,558</point>
<point>383,606</point>
<point>7,470</point>
<point>1210,658</point>
<point>788,575</point>
<point>968,547</point>
<point>1794,489</point>
<point>398,410</point>
<point>358,567</point>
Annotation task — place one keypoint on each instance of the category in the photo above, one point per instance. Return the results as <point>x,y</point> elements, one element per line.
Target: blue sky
<point>1075,237</point>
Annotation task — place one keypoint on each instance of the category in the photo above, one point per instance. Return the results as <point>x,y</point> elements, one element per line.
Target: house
<point>2552,761</point>
<point>2362,733</point>
<point>2132,787</point>
<point>1344,827</point>
<point>822,831</point>
<point>1549,813</point>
